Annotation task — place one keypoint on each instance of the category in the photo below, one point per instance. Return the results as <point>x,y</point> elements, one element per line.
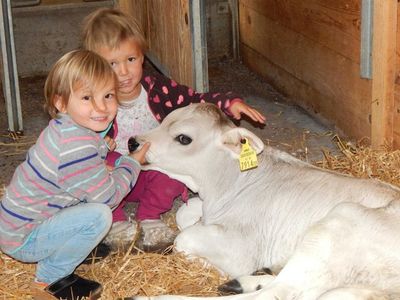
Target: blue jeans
<point>62,242</point>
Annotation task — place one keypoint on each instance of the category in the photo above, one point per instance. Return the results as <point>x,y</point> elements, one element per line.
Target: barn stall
<point>336,59</point>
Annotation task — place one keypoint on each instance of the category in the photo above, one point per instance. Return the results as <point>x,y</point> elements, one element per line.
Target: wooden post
<point>383,72</point>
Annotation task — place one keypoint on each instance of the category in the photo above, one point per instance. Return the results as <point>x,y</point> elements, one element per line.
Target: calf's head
<point>195,142</point>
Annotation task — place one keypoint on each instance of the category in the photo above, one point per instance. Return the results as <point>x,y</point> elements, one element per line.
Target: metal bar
<point>24,3</point>
<point>366,38</point>
<point>199,44</point>
<point>10,73</point>
<point>235,28</point>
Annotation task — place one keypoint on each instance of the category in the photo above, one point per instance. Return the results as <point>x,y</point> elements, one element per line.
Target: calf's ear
<point>233,137</point>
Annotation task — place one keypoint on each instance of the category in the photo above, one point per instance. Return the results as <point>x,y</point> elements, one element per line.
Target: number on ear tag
<point>248,156</point>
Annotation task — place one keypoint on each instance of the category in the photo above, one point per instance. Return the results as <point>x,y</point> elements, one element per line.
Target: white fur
<point>323,233</point>
<point>189,213</point>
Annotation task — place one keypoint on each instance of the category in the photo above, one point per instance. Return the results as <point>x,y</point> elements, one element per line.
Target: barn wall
<point>167,28</point>
<point>396,110</point>
<point>219,30</point>
<point>43,33</point>
<point>383,71</point>
<point>310,50</point>
<point>138,10</point>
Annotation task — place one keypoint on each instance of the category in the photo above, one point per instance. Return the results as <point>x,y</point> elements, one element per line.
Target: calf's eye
<point>183,139</point>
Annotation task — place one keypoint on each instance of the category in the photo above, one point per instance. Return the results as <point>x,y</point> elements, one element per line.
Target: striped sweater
<point>64,168</point>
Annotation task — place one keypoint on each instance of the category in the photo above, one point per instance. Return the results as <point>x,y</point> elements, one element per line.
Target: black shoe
<point>74,287</point>
<point>99,253</point>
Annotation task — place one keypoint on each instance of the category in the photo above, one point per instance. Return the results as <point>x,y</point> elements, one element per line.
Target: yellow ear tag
<point>248,156</point>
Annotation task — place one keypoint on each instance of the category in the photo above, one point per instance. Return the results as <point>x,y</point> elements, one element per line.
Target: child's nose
<point>100,105</point>
<point>123,70</point>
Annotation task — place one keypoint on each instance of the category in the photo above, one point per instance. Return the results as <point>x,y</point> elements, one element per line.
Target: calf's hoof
<point>230,287</point>
<point>263,271</point>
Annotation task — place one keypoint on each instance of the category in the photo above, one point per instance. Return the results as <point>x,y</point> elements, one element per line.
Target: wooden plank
<point>311,67</point>
<point>138,10</point>
<point>170,38</point>
<point>383,72</point>
<point>396,117</point>
<point>167,30</point>
<point>326,109</point>
<point>332,23</point>
<point>396,110</point>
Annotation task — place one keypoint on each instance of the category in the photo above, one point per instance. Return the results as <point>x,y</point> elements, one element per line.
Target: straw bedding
<point>124,274</point>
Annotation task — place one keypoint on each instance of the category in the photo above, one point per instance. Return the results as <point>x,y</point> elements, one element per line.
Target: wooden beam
<point>383,72</point>
<point>396,111</point>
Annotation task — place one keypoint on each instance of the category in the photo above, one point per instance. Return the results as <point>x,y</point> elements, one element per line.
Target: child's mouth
<point>99,119</point>
<point>124,83</point>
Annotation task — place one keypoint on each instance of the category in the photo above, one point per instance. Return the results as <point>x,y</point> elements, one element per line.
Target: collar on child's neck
<point>131,102</point>
<point>104,132</point>
<point>127,104</point>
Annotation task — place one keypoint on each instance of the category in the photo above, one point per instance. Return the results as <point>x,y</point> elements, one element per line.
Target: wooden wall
<point>383,72</point>
<point>310,51</point>
<point>167,29</point>
<point>396,108</point>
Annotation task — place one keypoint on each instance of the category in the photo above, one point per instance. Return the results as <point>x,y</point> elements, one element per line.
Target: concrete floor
<point>288,127</point>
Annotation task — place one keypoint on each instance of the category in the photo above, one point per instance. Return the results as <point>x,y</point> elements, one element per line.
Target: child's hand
<point>239,108</point>
<point>140,155</point>
<point>111,144</point>
<point>109,167</point>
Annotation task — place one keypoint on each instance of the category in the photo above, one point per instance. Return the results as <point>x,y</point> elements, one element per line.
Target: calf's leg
<point>225,249</point>
<point>189,213</point>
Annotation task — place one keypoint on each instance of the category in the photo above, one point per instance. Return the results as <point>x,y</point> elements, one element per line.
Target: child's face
<point>91,109</point>
<point>127,62</point>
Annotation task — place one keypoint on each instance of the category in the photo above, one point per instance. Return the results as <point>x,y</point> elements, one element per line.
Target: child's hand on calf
<point>111,144</point>
<point>140,155</point>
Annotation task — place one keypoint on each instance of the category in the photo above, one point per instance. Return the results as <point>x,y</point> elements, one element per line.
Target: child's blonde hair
<point>75,67</point>
<point>108,27</point>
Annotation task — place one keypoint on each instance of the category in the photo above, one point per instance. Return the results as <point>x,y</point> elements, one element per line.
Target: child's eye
<point>86,98</point>
<point>131,59</point>
<point>109,96</point>
<point>113,64</point>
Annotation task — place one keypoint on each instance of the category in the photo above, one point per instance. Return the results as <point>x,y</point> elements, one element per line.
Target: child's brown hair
<point>74,67</point>
<point>108,27</point>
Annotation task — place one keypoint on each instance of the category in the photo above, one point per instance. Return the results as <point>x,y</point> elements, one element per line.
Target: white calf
<point>326,235</point>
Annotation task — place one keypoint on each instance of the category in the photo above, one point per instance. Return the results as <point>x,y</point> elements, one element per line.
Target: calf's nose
<point>132,144</point>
